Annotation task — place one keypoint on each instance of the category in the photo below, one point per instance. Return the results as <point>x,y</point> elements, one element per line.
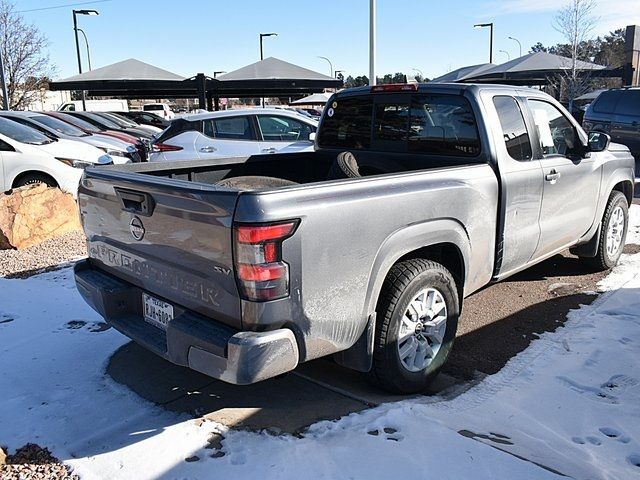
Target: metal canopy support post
<point>216,103</point>
<point>201,86</point>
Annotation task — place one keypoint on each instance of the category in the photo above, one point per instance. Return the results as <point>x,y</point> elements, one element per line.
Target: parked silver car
<point>52,126</point>
<point>234,133</point>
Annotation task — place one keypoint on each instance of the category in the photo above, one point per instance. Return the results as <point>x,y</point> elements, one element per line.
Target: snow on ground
<point>568,404</point>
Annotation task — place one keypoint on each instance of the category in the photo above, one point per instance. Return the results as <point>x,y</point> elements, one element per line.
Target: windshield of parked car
<point>22,133</point>
<point>104,121</point>
<point>121,120</point>
<point>59,125</point>
<point>80,123</point>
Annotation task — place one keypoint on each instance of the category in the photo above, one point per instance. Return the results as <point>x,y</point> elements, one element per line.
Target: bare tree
<point>26,61</point>
<point>575,21</point>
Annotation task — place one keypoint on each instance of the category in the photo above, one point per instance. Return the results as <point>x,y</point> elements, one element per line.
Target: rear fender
<point>399,244</point>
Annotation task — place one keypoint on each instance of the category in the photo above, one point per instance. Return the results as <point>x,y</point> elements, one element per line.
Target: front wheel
<point>613,232</point>
<point>417,318</point>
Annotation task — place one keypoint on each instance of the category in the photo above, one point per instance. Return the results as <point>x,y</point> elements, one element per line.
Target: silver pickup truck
<point>415,197</point>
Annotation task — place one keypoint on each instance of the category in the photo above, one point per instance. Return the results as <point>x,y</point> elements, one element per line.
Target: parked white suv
<point>27,157</point>
<point>234,133</point>
<point>161,109</point>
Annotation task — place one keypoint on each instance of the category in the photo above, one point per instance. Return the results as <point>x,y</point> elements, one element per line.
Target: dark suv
<point>617,112</point>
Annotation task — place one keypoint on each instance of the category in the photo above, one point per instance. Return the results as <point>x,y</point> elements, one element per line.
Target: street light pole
<point>262,35</point>
<point>330,65</point>
<point>372,42</point>
<point>490,25</point>
<point>519,44</point>
<point>5,98</point>
<point>75,30</point>
<point>506,53</point>
<point>86,41</point>
<point>336,72</point>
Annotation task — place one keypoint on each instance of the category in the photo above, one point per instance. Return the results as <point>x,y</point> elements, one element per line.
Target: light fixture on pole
<point>506,53</point>
<point>336,72</point>
<point>262,35</point>
<point>419,72</point>
<point>519,44</point>
<point>330,65</point>
<point>75,29</point>
<point>490,25</point>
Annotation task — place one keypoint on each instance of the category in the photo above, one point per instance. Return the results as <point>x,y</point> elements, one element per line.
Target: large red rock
<point>35,213</point>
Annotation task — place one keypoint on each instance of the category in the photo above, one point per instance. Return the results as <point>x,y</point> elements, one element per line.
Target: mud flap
<point>589,249</point>
<point>359,356</point>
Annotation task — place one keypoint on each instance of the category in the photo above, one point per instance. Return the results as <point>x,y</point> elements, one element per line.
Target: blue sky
<point>191,36</point>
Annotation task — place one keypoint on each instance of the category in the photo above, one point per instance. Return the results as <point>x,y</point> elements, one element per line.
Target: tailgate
<point>172,238</point>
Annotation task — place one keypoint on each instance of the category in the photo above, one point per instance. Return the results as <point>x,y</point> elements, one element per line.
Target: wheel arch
<point>444,241</point>
<point>26,173</point>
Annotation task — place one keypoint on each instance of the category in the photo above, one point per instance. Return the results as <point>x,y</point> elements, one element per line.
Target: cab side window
<point>556,133</point>
<point>514,130</point>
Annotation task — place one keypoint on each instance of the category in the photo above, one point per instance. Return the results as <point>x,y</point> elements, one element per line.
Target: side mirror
<point>599,141</point>
<point>312,137</point>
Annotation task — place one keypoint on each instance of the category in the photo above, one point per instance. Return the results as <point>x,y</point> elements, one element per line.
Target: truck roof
<point>454,88</point>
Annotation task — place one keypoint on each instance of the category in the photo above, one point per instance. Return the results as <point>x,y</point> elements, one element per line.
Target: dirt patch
<point>32,461</point>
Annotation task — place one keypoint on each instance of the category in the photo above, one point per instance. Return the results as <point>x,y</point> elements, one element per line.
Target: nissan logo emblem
<point>137,229</point>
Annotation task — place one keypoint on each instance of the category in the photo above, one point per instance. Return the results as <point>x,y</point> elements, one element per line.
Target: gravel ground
<point>46,255</point>
<point>32,462</point>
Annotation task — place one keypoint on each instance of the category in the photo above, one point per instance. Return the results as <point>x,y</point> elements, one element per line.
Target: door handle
<point>269,150</point>
<point>552,176</point>
<point>208,149</point>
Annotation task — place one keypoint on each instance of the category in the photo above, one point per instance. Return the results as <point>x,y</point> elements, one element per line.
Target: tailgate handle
<point>136,202</point>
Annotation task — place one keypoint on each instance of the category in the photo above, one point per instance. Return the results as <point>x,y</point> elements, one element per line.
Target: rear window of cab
<point>432,124</point>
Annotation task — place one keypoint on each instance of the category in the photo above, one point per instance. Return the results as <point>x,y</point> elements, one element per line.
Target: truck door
<point>520,183</point>
<point>571,183</point>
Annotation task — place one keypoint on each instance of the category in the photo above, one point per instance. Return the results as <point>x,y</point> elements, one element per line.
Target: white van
<point>96,106</point>
<point>163,110</point>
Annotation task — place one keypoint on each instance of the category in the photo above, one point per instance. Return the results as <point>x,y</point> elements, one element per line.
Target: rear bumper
<point>190,339</point>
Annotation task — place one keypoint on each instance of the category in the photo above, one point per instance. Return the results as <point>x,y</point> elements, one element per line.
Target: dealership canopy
<point>460,74</point>
<point>534,69</point>
<point>135,79</point>
<point>315,99</point>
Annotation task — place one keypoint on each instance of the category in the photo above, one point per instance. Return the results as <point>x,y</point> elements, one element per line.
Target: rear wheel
<point>35,179</point>
<point>417,318</point>
<point>613,232</point>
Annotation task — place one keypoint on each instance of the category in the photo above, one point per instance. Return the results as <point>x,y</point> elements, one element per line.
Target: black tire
<point>603,259</point>
<point>254,182</point>
<point>344,166</point>
<point>347,165</point>
<point>35,179</point>
<point>404,281</point>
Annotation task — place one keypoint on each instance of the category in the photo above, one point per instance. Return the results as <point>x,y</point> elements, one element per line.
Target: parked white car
<point>28,157</point>
<point>120,151</point>
<point>231,133</point>
<point>161,109</point>
<point>95,106</point>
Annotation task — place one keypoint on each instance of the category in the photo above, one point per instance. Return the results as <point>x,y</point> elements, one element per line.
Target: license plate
<point>156,312</point>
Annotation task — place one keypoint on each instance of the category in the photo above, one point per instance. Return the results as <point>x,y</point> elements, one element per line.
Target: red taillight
<point>262,275</point>
<point>395,87</point>
<point>165,147</point>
